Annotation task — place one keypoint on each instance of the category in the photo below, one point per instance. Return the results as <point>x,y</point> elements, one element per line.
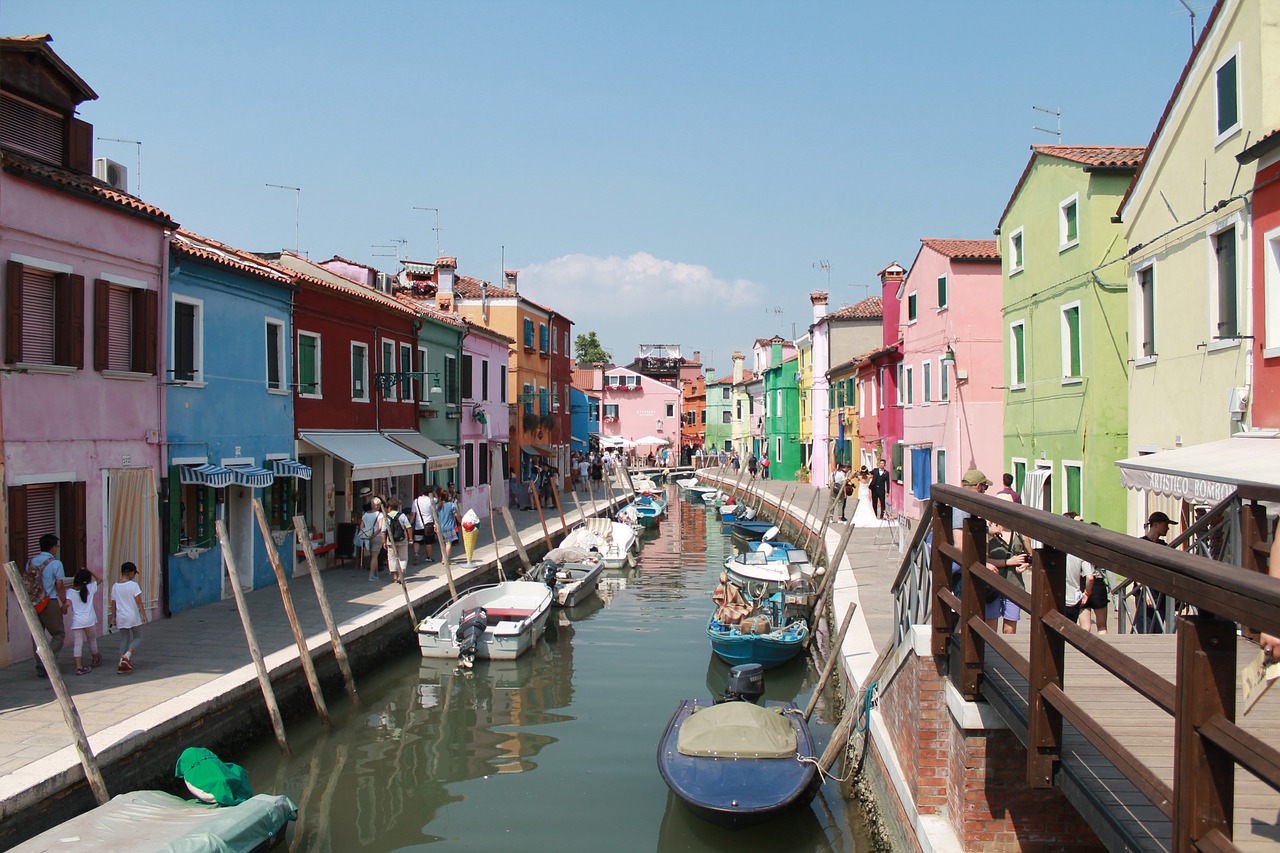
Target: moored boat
<point>757,567</point>
<point>751,530</point>
<point>616,542</point>
<point>769,625</point>
<point>500,622</point>
<point>648,509</point>
<point>572,574</point>
<point>731,512</point>
<point>701,493</point>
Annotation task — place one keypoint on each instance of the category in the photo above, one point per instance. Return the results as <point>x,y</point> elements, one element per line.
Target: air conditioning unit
<point>112,173</point>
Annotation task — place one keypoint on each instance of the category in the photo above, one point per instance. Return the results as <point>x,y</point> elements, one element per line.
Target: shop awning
<point>1206,473</point>
<point>538,450</point>
<point>370,454</point>
<point>439,457</point>
<point>251,476</point>
<point>577,440</point>
<point>205,475</point>
<point>290,468</point>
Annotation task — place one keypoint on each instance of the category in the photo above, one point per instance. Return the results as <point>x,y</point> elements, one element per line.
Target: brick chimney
<point>510,277</point>
<point>819,300</point>
<point>445,269</point>
<point>738,360</point>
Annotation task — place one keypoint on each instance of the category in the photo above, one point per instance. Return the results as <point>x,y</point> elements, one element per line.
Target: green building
<point>1065,329</point>
<point>781,438</point>
<point>719,413</point>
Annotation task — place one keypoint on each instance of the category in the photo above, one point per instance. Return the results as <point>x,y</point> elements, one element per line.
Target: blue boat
<point>774,647</point>
<point>751,530</point>
<point>648,509</point>
<point>769,629</point>
<point>777,551</point>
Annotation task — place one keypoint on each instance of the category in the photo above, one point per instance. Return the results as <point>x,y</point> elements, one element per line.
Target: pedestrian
<point>880,486</point>
<point>46,587</point>
<point>1008,555</point>
<point>597,470</point>
<point>1097,594</point>
<point>447,523</point>
<point>424,524</point>
<point>1009,490</point>
<point>397,541</point>
<point>1151,602</point>
<point>753,465</point>
<point>373,529</point>
<point>974,481</point>
<point>84,620</point>
<point>764,467</point>
<point>584,471</point>
<point>734,461</point>
<point>838,496</point>
<point>1078,569</point>
<point>127,614</point>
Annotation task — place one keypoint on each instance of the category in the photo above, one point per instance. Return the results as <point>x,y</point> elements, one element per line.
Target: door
<point>242,527</point>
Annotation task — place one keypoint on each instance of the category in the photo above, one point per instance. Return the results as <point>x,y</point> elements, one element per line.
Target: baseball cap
<point>974,477</point>
<point>1158,517</point>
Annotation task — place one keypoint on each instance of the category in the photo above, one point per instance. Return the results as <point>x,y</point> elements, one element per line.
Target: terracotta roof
<point>427,308</point>
<point>467,287</point>
<point>298,266</point>
<point>1205,32</point>
<point>85,186</point>
<point>211,251</point>
<point>871,308</point>
<point>892,265</point>
<point>1089,156</point>
<point>776,339</point>
<point>965,250</point>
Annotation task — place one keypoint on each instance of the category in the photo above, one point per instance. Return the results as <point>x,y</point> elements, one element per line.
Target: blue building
<point>228,418</point>
<point>585,417</point>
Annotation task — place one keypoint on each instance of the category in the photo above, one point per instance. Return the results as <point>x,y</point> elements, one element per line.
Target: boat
<point>769,629</point>
<point>616,542</point>
<point>686,482</point>
<point>737,762</point>
<point>145,821</point>
<point>702,493</point>
<point>500,622</point>
<point>757,567</point>
<point>648,509</point>
<point>751,530</point>
<point>777,551</point>
<point>736,512</point>
<point>571,574</point>
<point>643,484</point>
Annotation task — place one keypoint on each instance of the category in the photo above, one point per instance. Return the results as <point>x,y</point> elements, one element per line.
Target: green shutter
<point>1073,488</point>
<point>306,364</point>
<point>895,470</point>
<point>1228,108</point>
<point>174,496</point>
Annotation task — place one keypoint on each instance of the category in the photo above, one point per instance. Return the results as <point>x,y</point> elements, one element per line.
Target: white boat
<point>514,616</point>
<point>736,512</point>
<point>646,485</point>
<point>615,541</point>
<point>687,482</point>
<point>571,573</point>
<point>706,494</point>
<point>756,567</point>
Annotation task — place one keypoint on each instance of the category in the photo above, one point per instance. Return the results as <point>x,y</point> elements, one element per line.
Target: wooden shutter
<point>42,511</point>
<point>146,317</point>
<point>124,331</point>
<point>80,146</point>
<point>13,312</point>
<point>101,324</point>
<point>18,524</point>
<point>72,515</point>
<point>173,496</point>
<point>68,320</point>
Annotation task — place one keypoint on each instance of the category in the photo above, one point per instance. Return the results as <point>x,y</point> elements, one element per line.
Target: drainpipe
<point>162,302</point>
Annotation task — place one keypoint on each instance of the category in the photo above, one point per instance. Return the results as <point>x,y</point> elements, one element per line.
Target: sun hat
<point>974,477</point>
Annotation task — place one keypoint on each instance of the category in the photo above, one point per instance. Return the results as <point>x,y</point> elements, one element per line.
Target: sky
<point>659,172</point>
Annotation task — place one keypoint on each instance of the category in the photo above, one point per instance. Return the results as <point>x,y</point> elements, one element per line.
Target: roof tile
<point>965,250</point>
<point>84,185</point>
<point>871,308</point>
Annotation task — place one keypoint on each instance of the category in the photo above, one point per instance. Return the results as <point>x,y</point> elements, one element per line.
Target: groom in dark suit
<point>879,488</point>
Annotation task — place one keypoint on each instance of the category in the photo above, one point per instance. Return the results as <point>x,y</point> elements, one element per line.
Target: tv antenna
<point>1057,114</point>
<point>139,144</point>
<point>396,243</point>
<point>436,211</point>
<point>1192,13</point>
<point>825,266</point>
<point>297,210</point>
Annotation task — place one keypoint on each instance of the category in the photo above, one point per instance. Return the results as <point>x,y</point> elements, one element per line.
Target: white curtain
<point>133,529</point>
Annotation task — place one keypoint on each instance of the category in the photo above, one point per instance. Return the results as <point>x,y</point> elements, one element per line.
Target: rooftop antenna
<point>139,144</point>
<point>1192,13</point>
<point>436,211</point>
<point>297,210</point>
<point>826,267</point>
<point>1056,114</point>
<point>396,243</point>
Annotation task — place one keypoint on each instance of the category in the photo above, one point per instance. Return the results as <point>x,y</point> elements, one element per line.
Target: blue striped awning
<point>251,476</point>
<point>205,475</point>
<point>289,468</point>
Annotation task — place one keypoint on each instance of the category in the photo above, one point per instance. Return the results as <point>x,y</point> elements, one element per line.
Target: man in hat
<point>1150,601</point>
<point>975,481</point>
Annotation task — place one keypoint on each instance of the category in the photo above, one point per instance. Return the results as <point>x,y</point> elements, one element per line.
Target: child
<point>84,619</point>
<point>127,614</point>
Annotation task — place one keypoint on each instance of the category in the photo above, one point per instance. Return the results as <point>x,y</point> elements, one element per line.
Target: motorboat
<point>616,542</point>
<point>778,551</point>
<point>686,482</point>
<point>737,762</point>
<point>499,622</point>
<point>731,512</point>
<point>649,508</point>
<point>758,567</point>
<point>770,625</point>
<point>571,573</point>
<point>705,494</point>
<point>751,530</point>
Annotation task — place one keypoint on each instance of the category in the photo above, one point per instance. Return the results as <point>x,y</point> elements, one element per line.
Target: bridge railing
<point>1208,744</point>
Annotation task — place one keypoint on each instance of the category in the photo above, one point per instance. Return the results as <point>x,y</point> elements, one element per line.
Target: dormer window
<point>32,129</point>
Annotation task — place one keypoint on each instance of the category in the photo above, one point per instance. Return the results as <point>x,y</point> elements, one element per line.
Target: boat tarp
<point>142,821</point>
<point>737,730</point>
<point>601,527</point>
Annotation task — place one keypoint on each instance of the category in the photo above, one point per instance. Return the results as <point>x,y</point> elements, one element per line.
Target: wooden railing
<point>1208,745</point>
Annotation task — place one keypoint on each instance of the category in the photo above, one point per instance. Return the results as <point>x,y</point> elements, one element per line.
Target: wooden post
<point>833,565</point>
<point>940,614</point>
<point>577,504</point>
<point>264,678</point>
<point>839,738</point>
<point>591,494</point>
<point>808,523</point>
<point>493,532</point>
<point>832,659</point>
<point>515,537</point>
<point>339,648</point>
<point>1048,657</point>
<point>308,666</point>
<point>564,526</point>
<point>974,552</point>
<point>537,504</point>
<point>70,715</point>
<point>1203,773</point>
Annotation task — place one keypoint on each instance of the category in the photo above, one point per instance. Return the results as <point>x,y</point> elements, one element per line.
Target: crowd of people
<point>387,532</point>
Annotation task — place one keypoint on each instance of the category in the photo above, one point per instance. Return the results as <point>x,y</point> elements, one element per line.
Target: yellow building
<point>804,385</point>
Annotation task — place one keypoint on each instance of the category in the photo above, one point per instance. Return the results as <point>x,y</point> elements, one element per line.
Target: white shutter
<point>37,316</point>
<point>120,321</point>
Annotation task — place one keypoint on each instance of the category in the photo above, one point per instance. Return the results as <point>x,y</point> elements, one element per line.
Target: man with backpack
<point>398,527</point>
<point>424,523</point>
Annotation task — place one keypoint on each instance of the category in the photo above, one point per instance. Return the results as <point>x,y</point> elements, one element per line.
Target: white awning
<point>1206,473</point>
<point>251,476</point>
<point>205,475</point>
<point>370,454</point>
<point>291,468</point>
<point>439,457</point>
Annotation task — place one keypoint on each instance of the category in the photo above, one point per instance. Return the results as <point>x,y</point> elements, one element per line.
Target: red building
<point>693,423</point>
<point>1265,231</point>
<point>880,425</point>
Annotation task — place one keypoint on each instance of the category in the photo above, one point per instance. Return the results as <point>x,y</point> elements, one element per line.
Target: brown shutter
<point>80,146</point>
<point>13,312</point>
<point>68,320</point>
<point>76,314</point>
<point>149,332</point>
<point>18,524</point>
<point>73,533</point>
<point>101,324</point>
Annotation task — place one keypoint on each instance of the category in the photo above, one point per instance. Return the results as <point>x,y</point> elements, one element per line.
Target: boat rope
<point>822,774</point>
<point>868,701</point>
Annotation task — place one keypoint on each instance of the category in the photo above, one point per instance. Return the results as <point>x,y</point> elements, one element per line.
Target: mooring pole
<point>335,639</point>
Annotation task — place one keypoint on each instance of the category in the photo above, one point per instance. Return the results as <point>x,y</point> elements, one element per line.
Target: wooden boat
<point>499,622</point>
<point>769,625</point>
<point>571,574</point>
<point>616,542</point>
<point>751,530</point>
<point>737,763</point>
<point>144,821</point>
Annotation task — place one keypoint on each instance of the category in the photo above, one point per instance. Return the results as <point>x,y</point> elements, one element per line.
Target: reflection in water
<point>554,750</point>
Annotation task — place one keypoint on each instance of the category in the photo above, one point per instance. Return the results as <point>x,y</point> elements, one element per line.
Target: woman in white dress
<point>863,514</point>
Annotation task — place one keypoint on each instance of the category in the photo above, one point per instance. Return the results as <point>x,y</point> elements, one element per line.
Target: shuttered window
<point>406,368</point>
<point>275,355</point>
<point>483,479</point>
<point>38,336</point>
<point>186,342</point>
<point>468,384</point>
<point>308,364</point>
<point>120,323</point>
<point>57,508</point>
<point>32,129</point>
<point>42,514</point>
<point>468,464</point>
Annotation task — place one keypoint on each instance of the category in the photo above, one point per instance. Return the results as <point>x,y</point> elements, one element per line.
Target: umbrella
<point>652,439</point>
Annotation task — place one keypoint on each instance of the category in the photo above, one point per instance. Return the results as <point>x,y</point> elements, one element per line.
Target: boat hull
<point>738,792</point>
<point>769,650</point>
<point>750,530</point>
<point>582,584</point>
<point>517,617</point>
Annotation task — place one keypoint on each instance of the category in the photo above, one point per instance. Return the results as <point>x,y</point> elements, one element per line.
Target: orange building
<point>693,423</point>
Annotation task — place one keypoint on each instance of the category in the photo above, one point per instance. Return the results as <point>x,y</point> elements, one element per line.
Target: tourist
<point>1151,602</point>
<point>1097,594</point>
<point>1077,570</point>
<point>584,471</point>
<point>373,531</point>
<point>752,465</point>
<point>447,523</point>
<point>84,620</point>
<point>1009,490</point>
<point>127,614</point>
<point>764,467</point>
<point>424,523</point>
<point>397,540</point>
<point>733,460</point>
<point>974,481</point>
<point>879,488</point>
<point>838,495</point>
<point>1008,555</point>
<point>1270,643</point>
<point>44,580</point>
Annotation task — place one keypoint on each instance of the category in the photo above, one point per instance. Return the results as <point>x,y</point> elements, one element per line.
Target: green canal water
<point>556,750</point>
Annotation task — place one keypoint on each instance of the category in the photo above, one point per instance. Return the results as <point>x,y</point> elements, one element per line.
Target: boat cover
<point>601,527</point>
<point>570,554</point>
<point>143,821</point>
<point>737,730</point>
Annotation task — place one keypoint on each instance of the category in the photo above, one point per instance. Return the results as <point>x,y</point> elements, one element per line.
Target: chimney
<point>711,375</point>
<point>697,357</point>
<point>892,276</point>
<point>738,359</point>
<point>819,300</point>
<point>510,277</point>
<point>445,268</point>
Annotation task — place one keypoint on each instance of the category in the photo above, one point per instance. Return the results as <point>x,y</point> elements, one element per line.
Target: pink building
<point>85,273</point>
<point>951,372</point>
<point>485,427</point>
<point>635,407</point>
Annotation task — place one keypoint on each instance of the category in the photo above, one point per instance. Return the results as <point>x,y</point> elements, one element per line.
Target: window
<point>1015,252</point>
<point>901,382</point>
<point>359,371</point>
<point>544,403</point>
<point>451,379</point>
<point>482,468</point>
<point>308,364</point>
<point>45,315</point>
<point>1227,316</point>
<point>942,292</point>
<point>1227,96</point>
<point>275,355</point>
<point>282,497</point>
<point>527,397</point>
<point>1072,475</point>
<point>502,383</point>
<point>611,410</point>
<point>528,333</point>
<point>911,390</point>
<point>542,338</point>
<point>777,449</point>
<point>940,466</point>
<point>944,381</point>
<point>1071,342</point>
<point>671,410</point>
<point>426,383</point>
<point>726,417</point>
<point>1017,355</point>
<point>1069,223</point>
<point>1146,319</point>
<point>468,464</point>
<point>928,382</point>
<point>882,376</point>
<point>188,340</point>
<point>738,416</point>
<point>725,394</point>
<point>40,508</point>
<point>1019,474</point>
<point>1271,293</point>
<point>703,413</point>
<point>406,367</point>
<point>911,307</point>
<point>468,389</point>
<point>124,321</point>
<point>484,380</point>
<point>555,342</point>
<point>862,401</point>
<point>388,365</point>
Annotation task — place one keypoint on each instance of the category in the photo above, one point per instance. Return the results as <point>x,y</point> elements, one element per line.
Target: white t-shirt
<point>583,468</point>
<point>424,512</point>
<point>124,595</point>
<point>83,613</point>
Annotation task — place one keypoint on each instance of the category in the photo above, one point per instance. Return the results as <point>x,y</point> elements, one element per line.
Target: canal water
<point>553,751</point>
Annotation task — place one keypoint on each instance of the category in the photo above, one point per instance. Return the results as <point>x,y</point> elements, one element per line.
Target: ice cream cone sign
<point>470,533</point>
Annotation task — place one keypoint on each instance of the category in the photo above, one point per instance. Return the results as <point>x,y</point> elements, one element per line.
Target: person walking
<point>447,523</point>
<point>84,620</point>
<point>753,465</point>
<point>424,524</point>
<point>880,488</point>
<point>397,539</point>
<point>373,529</point>
<point>1150,603</point>
<point>838,496</point>
<point>127,614</point>
<point>764,467</point>
<point>45,583</point>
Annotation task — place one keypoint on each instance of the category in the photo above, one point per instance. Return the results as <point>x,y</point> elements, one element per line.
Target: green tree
<point>587,349</point>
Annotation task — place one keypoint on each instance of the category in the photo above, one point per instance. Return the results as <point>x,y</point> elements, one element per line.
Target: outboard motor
<point>470,629</point>
<point>745,683</point>
<point>547,569</point>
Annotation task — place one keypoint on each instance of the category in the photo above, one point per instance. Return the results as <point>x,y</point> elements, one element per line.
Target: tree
<point>587,349</point>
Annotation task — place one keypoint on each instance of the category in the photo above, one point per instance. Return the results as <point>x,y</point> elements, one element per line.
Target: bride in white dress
<point>863,514</point>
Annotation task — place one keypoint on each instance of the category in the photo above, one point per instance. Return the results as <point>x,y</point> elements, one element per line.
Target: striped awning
<point>214,476</point>
<point>290,468</point>
<point>251,476</point>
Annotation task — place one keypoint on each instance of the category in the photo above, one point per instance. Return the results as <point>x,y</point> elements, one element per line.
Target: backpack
<point>33,580</point>
<point>397,527</point>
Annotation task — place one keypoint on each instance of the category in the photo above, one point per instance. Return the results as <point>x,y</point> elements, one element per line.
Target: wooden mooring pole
<point>335,639</point>
<point>515,537</point>
<point>833,658</point>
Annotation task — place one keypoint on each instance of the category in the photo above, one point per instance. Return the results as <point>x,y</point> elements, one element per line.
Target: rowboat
<point>571,573</point>
<point>500,622</point>
<point>616,542</point>
<point>737,762</point>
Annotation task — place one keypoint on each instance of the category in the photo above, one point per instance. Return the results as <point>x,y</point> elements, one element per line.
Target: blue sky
<point>660,172</point>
